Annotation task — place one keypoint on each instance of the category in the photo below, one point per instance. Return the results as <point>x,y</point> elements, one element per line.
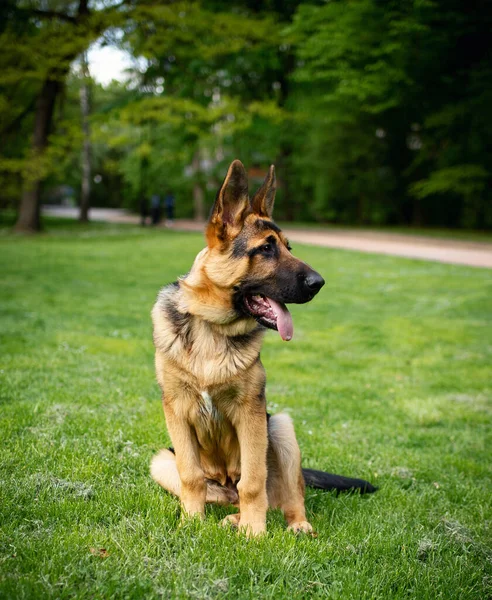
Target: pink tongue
<point>284,320</point>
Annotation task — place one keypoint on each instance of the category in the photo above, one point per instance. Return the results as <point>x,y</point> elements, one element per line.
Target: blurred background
<point>375,112</point>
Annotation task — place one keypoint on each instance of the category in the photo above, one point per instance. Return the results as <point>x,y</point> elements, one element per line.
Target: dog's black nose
<point>314,282</point>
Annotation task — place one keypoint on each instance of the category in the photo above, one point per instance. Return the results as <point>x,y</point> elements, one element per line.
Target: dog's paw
<point>231,520</point>
<point>188,516</point>
<point>301,527</point>
<point>253,529</point>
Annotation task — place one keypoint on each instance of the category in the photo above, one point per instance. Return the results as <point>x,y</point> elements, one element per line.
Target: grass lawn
<point>388,378</point>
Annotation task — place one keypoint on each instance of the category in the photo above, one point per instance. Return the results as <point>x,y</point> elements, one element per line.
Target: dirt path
<point>475,254</point>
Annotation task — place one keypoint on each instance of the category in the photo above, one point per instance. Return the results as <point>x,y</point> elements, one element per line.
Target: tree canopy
<point>375,111</point>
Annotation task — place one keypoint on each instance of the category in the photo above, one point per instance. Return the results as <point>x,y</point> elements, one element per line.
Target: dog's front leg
<point>193,486</point>
<point>253,441</point>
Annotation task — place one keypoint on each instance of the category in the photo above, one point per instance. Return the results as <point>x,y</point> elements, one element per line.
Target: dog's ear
<point>264,198</point>
<point>231,205</point>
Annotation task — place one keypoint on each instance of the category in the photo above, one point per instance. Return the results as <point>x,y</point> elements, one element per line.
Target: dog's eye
<point>266,248</point>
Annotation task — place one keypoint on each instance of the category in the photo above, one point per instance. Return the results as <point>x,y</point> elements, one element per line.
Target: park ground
<point>461,247</point>
<point>388,378</point>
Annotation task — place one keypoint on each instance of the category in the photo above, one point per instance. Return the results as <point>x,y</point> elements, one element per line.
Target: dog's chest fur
<point>206,371</point>
<point>208,353</point>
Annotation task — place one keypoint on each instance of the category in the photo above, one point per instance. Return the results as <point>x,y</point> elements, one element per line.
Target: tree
<point>375,111</point>
<point>29,210</point>
<point>395,92</point>
<point>45,41</point>
<point>219,62</point>
<point>85,189</point>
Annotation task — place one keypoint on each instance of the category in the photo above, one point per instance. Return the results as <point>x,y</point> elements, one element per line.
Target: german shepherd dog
<point>208,332</point>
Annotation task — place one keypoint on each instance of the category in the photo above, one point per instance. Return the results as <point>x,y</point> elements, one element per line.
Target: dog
<point>208,331</point>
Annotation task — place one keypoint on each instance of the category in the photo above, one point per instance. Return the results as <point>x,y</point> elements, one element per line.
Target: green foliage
<point>463,180</point>
<point>189,31</point>
<point>375,112</point>
<point>467,181</point>
<point>39,43</point>
<point>377,79</point>
<point>366,70</point>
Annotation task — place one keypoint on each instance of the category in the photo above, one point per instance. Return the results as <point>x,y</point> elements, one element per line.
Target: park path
<point>459,252</point>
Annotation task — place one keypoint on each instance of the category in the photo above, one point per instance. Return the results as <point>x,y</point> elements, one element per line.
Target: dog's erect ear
<point>231,204</point>
<point>264,198</point>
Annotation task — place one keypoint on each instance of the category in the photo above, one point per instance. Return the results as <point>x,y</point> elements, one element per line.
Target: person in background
<point>169,202</point>
<point>155,209</point>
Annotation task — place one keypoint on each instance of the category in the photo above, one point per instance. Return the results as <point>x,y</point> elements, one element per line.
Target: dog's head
<point>248,260</point>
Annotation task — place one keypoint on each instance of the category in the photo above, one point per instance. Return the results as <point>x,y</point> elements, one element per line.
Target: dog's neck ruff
<point>203,295</point>
<point>197,345</point>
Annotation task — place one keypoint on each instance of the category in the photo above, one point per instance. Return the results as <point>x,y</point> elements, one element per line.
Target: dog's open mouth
<point>270,313</point>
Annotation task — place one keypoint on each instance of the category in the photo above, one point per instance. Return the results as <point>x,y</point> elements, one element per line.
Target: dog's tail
<point>326,481</point>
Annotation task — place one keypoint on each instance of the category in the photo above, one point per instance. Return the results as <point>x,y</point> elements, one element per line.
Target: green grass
<point>59,225</point>
<point>388,378</point>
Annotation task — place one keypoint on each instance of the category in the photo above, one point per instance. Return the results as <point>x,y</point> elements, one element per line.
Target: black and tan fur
<point>208,332</point>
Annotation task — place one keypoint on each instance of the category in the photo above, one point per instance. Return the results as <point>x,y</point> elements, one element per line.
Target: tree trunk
<point>30,208</point>
<point>85,189</point>
<point>198,193</point>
